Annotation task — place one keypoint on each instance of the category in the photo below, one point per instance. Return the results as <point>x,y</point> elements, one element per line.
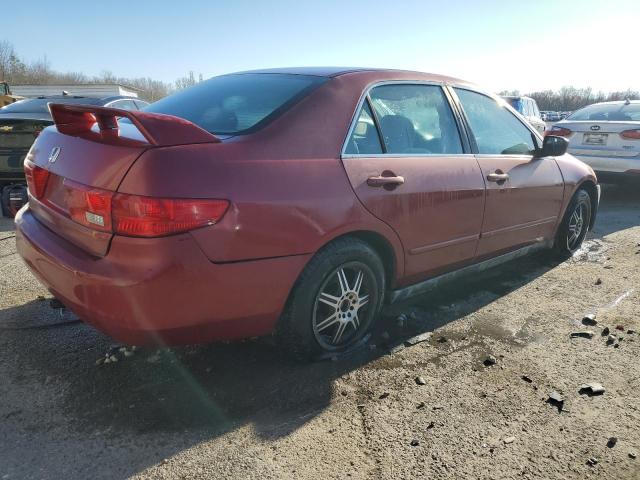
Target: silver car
<point>605,136</point>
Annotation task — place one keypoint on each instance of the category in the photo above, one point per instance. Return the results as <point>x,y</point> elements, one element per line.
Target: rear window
<point>239,103</point>
<point>608,112</point>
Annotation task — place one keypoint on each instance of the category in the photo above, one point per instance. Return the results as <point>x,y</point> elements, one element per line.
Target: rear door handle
<point>498,176</point>
<point>381,181</point>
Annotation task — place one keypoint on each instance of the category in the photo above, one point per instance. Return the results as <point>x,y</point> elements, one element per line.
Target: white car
<point>605,136</point>
<point>528,108</point>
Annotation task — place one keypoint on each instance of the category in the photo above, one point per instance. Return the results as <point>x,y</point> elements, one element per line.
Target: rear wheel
<point>334,302</point>
<point>575,224</point>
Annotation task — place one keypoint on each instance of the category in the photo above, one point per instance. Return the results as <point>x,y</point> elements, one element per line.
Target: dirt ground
<point>242,410</point>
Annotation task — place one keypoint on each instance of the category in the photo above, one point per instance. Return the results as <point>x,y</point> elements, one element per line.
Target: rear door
<point>409,166</point>
<point>524,194</point>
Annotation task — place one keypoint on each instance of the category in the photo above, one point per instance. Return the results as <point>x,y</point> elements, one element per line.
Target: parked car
<point>292,201</point>
<point>543,115</point>
<point>528,108</point>
<point>606,136</point>
<point>20,124</point>
<point>553,117</point>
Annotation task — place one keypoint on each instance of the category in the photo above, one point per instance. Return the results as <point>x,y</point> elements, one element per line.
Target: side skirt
<point>435,282</point>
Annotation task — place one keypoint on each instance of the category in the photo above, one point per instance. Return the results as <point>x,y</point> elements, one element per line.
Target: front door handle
<point>382,181</point>
<point>498,176</point>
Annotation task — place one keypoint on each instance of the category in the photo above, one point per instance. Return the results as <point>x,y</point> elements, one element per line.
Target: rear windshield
<point>39,105</point>
<point>239,103</point>
<point>516,103</point>
<point>608,111</point>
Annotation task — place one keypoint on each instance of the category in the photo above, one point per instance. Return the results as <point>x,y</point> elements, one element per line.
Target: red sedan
<point>290,201</point>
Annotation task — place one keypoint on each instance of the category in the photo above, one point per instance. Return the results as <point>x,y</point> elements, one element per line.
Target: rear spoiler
<point>159,130</point>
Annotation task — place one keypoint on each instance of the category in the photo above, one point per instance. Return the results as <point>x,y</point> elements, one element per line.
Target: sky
<point>517,45</point>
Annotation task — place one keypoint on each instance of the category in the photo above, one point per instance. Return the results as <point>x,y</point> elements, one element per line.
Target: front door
<point>406,162</point>
<point>524,194</point>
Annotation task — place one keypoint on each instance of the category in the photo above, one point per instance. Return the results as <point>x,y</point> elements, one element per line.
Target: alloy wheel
<point>577,226</point>
<point>342,311</point>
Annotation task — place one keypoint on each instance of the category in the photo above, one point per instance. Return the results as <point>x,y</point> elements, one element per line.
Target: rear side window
<point>232,104</point>
<point>415,119</point>
<point>364,138</point>
<point>496,129</point>
<point>124,105</point>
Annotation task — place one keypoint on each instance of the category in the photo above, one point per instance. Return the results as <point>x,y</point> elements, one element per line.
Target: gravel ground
<point>243,411</point>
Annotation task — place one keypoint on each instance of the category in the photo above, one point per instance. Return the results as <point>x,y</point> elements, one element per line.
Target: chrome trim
<point>520,226</point>
<point>404,155</point>
<point>435,282</point>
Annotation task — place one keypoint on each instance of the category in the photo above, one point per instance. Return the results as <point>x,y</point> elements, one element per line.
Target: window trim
<point>462,132</point>
<point>474,145</point>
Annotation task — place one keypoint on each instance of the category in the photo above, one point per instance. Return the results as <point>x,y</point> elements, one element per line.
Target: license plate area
<point>595,139</point>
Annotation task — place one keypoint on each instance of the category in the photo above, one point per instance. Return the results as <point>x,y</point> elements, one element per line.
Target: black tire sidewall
<point>295,329</point>
<point>581,196</point>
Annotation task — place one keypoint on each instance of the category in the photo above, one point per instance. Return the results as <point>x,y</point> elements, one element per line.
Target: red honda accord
<point>290,201</point>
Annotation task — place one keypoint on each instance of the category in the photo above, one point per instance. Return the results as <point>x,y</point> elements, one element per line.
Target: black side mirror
<point>553,146</point>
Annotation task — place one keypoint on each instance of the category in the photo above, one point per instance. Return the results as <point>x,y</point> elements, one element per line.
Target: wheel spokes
<point>342,279</point>
<point>328,299</point>
<point>358,284</point>
<point>339,331</point>
<point>327,322</point>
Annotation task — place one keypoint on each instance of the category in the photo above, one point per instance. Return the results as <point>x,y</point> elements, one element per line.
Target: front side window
<point>496,130</point>
<point>415,119</point>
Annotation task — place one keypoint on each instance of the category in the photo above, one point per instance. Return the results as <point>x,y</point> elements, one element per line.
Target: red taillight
<point>631,134</point>
<point>88,206</point>
<point>37,178</point>
<point>558,132</point>
<point>138,216</point>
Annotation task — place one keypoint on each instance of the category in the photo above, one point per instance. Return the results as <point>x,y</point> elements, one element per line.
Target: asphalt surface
<point>243,410</point>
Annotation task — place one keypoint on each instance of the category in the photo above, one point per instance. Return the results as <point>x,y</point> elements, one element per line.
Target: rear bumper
<point>610,164</point>
<point>159,291</point>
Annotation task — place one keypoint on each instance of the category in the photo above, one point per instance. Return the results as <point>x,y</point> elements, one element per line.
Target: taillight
<point>37,178</point>
<point>138,216</point>
<point>631,134</point>
<point>558,131</point>
<point>88,206</point>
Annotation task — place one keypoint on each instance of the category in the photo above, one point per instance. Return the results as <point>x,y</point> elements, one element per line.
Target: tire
<point>342,287</point>
<point>575,224</point>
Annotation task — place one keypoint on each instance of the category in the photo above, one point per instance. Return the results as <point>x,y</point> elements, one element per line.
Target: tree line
<point>17,71</point>
<point>568,99</point>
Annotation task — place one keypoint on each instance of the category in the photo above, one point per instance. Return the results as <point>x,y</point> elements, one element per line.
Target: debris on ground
<point>526,378</point>
<point>590,389</point>
<point>423,337</point>
<point>592,462</point>
<point>556,399</point>
<point>582,334</point>
<point>509,440</point>
<point>383,395</point>
<point>611,339</point>
<point>630,332</point>
<point>599,281</point>
<point>589,320</point>
<point>633,455</point>
<point>442,339</point>
<point>620,327</point>
<point>612,442</point>
<point>605,331</point>
<point>415,443</point>
<point>421,381</point>
<point>489,361</point>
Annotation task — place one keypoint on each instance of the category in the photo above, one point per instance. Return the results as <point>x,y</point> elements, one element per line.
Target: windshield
<point>608,111</point>
<point>515,102</point>
<point>232,104</point>
<point>39,105</point>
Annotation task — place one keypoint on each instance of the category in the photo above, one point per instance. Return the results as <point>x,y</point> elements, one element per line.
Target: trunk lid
<point>602,138</point>
<point>91,149</point>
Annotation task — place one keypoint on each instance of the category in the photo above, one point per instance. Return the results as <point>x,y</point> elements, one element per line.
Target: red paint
<point>289,193</point>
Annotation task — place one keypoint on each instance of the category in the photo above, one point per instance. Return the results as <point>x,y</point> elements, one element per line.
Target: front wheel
<point>334,302</point>
<point>575,224</point>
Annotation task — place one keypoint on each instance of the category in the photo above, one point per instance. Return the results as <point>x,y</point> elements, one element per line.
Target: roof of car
<point>337,71</point>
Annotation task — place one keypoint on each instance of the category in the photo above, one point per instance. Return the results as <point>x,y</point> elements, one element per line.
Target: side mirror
<point>553,146</point>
